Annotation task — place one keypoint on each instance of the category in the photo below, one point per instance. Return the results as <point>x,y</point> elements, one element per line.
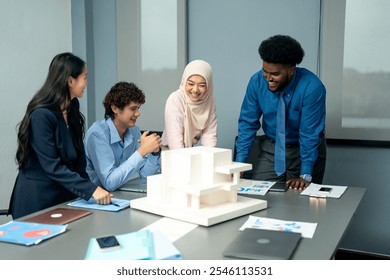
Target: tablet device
<point>325,189</point>
<point>135,185</point>
<point>279,187</point>
<point>108,242</point>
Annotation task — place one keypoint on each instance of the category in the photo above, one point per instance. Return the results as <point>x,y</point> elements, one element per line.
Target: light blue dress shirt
<point>111,162</point>
<point>304,97</point>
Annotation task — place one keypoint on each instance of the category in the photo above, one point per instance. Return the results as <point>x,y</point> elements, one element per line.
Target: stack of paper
<point>26,233</point>
<point>256,187</point>
<point>306,229</point>
<point>138,245</point>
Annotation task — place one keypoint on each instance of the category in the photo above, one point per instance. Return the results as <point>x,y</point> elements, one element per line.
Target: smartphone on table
<point>325,189</point>
<point>279,187</point>
<point>108,242</point>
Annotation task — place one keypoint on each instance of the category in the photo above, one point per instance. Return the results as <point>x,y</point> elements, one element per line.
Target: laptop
<point>59,216</point>
<point>259,244</point>
<point>135,185</point>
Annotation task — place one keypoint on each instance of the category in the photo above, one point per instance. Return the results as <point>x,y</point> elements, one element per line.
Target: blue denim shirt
<point>112,162</point>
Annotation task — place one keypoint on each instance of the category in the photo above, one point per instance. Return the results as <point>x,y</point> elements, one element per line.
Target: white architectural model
<point>198,185</point>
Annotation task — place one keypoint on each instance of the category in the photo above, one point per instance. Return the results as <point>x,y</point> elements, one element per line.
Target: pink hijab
<point>197,113</point>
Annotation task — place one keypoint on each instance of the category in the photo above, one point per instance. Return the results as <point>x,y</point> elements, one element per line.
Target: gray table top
<point>332,215</point>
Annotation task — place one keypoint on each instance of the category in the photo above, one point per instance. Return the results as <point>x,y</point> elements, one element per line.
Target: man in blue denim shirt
<point>304,98</point>
<point>115,148</point>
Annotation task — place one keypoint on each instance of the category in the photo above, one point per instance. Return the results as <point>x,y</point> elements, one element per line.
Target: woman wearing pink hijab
<point>190,111</point>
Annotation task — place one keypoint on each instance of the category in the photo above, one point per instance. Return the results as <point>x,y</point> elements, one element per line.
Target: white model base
<point>205,216</point>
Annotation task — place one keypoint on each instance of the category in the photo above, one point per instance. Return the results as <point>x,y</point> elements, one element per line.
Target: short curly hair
<point>120,95</point>
<point>281,49</point>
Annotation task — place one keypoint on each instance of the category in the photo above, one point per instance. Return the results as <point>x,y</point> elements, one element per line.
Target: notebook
<point>135,185</point>
<point>59,216</point>
<point>259,244</point>
<point>28,234</point>
<point>116,204</point>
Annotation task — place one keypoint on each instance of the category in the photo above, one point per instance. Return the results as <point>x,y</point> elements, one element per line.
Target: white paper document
<point>324,191</point>
<point>256,187</point>
<point>173,229</point>
<point>306,229</point>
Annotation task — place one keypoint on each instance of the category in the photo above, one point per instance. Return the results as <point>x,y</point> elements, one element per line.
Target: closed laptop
<point>59,216</point>
<point>259,244</point>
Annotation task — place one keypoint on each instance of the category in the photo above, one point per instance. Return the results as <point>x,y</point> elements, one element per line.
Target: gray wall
<point>228,37</point>
<point>104,56</point>
<point>152,52</point>
<point>227,34</point>
<point>95,34</point>
<point>32,33</point>
<point>113,44</point>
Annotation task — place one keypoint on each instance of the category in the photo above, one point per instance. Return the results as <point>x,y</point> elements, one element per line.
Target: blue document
<point>26,233</point>
<point>136,245</point>
<point>116,205</point>
<point>163,248</point>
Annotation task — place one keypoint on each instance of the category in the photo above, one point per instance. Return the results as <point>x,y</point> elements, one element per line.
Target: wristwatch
<point>306,177</point>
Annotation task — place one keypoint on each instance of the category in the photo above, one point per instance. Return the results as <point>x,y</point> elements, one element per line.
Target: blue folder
<point>136,245</point>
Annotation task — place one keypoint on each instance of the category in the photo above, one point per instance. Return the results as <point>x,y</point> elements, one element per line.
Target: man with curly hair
<point>290,102</point>
<point>115,148</point>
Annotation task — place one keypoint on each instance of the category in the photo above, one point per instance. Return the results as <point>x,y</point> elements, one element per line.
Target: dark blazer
<point>53,172</point>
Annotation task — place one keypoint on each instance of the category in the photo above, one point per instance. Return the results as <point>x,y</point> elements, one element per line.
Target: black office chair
<point>3,212</point>
<point>252,157</point>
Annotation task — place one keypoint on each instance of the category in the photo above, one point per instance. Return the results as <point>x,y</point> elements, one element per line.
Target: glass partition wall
<point>355,68</point>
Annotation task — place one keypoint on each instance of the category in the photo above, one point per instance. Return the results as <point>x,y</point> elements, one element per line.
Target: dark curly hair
<point>120,95</point>
<point>281,49</point>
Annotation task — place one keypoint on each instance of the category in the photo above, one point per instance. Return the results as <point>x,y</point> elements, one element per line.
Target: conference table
<point>332,216</point>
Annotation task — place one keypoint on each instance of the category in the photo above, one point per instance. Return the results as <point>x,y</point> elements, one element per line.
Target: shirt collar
<point>114,135</point>
<point>290,85</point>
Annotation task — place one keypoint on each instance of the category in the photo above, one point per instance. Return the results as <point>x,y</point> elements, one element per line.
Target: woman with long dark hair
<point>50,153</point>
